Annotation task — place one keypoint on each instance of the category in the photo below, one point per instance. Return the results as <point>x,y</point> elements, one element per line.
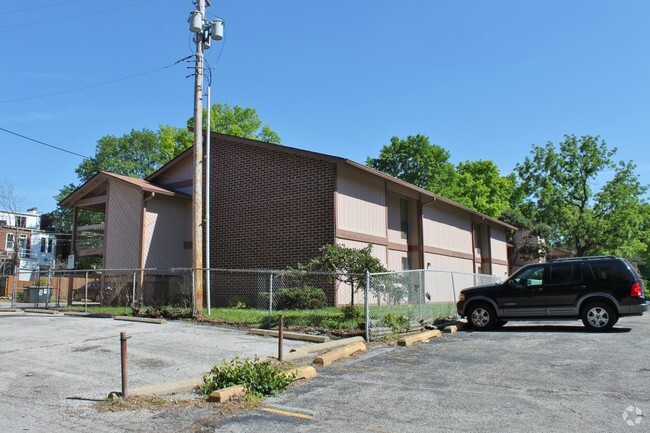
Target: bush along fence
<point>397,302</point>
<point>371,304</point>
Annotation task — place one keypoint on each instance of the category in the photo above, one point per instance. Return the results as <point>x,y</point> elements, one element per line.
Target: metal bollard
<point>125,385</point>
<point>281,338</point>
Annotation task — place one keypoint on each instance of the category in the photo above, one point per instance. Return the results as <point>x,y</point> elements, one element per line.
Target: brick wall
<point>269,209</point>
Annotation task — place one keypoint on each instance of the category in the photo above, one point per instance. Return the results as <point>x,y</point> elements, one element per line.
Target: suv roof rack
<point>570,259</point>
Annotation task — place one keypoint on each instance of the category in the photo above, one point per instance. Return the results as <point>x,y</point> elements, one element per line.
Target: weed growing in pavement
<point>258,377</point>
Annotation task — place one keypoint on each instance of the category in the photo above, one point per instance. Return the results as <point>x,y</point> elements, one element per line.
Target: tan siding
<point>123,227</point>
<point>394,219</point>
<point>343,291</point>
<point>447,228</point>
<point>361,202</point>
<point>442,286</point>
<point>498,243</point>
<point>166,229</point>
<point>453,264</point>
<point>180,172</point>
<point>395,260</point>
<point>500,271</point>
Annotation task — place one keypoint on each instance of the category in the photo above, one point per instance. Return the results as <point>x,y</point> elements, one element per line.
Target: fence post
<point>14,289</point>
<point>421,294</point>
<point>86,294</point>
<point>453,288</point>
<point>367,306</point>
<point>58,291</point>
<point>208,290</point>
<point>134,292</point>
<point>194,309</point>
<point>48,289</point>
<point>270,300</point>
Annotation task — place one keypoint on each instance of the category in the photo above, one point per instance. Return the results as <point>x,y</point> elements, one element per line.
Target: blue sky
<point>485,80</point>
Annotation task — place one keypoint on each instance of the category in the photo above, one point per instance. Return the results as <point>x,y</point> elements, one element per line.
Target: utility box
<point>37,295</point>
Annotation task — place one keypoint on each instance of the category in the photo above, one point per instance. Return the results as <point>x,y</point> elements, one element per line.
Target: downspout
<point>207,204</point>
<point>421,205</point>
<point>473,226</point>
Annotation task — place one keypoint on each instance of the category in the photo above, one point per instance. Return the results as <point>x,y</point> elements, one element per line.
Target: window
<point>23,250</point>
<point>50,245</point>
<point>532,276</point>
<point>10,241</point>
<point>610,272</point>
<point>43,244</point>
<point>477,237</point>
<point>405,263</point>
<point>565,273</point>
<point>404,217</point>
<point>21,221</point>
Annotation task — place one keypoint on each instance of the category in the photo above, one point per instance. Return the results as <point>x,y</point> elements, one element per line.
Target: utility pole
<point>197,186</point>
<point>204,31</point>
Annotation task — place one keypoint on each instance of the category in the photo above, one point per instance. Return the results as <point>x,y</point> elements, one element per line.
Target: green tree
<point>346,265</point>
<point>238,121</point>
<point>416,161</point>
<point>141,152</point>
<point>480,186</point>
<point>559,185</point>
<point>136,154</point>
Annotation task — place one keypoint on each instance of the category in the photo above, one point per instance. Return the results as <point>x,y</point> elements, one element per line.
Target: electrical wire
<point>15,11</point>
<point>43,143</point>
<point>77,16</point>
<point>6,101</point>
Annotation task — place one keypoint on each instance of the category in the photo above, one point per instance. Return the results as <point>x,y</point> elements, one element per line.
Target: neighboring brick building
<point>274,206</point>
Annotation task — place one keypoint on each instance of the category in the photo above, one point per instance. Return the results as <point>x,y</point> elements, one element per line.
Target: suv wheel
<point>76,296</point>
<point>599,316</point>
<point>481,316</point>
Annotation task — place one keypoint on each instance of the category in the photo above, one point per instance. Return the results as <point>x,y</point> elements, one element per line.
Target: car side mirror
<point>512,283</point>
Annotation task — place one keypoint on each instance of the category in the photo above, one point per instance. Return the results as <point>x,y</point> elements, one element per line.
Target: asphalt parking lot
<point>527,377</point>
<point>55,368</point>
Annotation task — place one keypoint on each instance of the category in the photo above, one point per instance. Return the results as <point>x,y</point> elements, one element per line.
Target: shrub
<point>238,302</point>
<point>352,312</point>
<point>300,298</point>
<point>20,296</point>
<point>259,378</point>
<point>398,323</point>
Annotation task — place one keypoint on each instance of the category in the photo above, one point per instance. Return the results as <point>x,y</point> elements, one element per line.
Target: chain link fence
<point>402,301</point>
<point>372,305</point>
<point>125,288</point>
<point>306,300</point>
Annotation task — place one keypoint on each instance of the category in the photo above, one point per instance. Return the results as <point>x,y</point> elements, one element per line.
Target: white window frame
<point>7,241</point>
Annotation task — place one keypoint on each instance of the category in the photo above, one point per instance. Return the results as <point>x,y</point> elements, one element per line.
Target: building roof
<point>337,160</point>
<point>103,176</point>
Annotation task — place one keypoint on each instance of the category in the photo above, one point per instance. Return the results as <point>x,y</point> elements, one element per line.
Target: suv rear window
<point>565,273</point>
<point>610,272</point>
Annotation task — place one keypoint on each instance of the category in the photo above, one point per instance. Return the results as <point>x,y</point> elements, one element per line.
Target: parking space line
<point>286,413</point>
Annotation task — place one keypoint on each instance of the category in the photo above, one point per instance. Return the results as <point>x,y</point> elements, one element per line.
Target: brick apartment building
<point>274,206</point>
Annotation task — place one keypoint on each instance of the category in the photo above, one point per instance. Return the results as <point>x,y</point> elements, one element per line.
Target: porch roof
<point>92,194</point>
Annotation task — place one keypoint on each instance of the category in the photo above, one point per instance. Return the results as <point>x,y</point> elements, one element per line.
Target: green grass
<point>323,317</point>
<point>330,317</point>
<point>115,311</point>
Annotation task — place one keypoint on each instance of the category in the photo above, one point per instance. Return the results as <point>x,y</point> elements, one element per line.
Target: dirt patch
<point>163,404</point>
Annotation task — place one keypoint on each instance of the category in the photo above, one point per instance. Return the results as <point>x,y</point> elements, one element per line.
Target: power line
<point>6,101</point>
<point>37,7</point>
<point>44,144</point>
<point>77,16</point>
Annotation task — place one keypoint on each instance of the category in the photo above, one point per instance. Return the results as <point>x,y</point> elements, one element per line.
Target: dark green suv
<point>597,290</point>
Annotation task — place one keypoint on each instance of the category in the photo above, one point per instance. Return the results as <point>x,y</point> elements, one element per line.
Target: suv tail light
<point>636,291</point>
